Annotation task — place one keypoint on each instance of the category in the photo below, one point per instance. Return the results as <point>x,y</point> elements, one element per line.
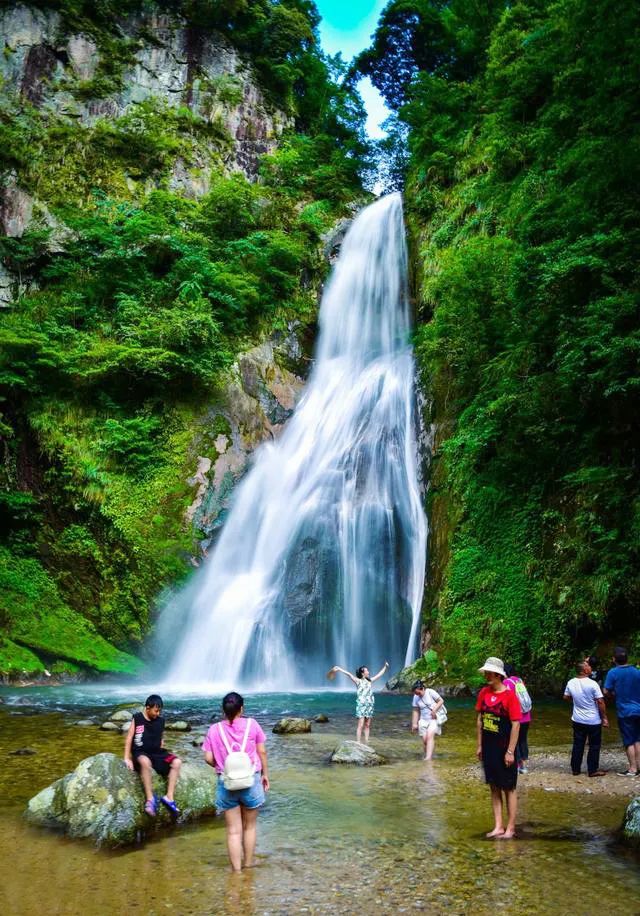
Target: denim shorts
<point>253,797</point>
<point>629,729</point>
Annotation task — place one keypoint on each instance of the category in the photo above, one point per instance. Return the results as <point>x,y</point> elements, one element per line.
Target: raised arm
<point>380,672</point>
<point>342,671</point>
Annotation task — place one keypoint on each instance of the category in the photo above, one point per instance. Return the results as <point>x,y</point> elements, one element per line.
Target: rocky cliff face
<point>261,394</point>
<point>159,60</point>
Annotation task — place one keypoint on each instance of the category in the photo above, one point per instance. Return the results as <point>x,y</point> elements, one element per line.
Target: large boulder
<point>356,754</point>
<point>631,825</point>
<point>103,800</point>
<point>292,726</point>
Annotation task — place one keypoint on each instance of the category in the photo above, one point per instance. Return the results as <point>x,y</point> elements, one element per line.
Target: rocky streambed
<point>329,835</point>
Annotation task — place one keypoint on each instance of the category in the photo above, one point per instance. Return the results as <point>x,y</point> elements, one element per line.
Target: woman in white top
<point>424,716</point>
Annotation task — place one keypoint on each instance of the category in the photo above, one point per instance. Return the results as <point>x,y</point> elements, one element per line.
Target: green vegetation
<point>136,300</point>
<point>523,194</point>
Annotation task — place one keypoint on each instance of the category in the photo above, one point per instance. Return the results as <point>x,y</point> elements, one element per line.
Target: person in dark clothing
<point>144,751</point>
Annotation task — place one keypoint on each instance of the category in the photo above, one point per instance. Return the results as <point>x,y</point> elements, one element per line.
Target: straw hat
<point>494,664</point>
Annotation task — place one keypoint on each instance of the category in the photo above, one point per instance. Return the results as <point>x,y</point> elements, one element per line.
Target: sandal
<point>151,807</point>
<point>171,805</point>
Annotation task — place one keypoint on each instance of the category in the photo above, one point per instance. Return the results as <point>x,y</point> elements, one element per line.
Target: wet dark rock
<point>631,824</point>
<point>198,741</point>
<point>24,752</point>
<point>355,754</point>
<point>103,800</point>
<point>321,717</point>
<point>215,717</point>
<point>292,726</point>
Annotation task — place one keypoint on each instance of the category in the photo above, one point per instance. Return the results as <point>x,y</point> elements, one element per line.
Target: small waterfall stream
<point>322,558</point>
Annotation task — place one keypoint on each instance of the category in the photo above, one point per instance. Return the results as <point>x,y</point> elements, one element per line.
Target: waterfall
<point>322,558</point>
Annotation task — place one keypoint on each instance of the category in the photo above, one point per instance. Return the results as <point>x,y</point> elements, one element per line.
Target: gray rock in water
<point>84,722</point>
<point>292,727</point>
<point>103,800</point>
<point>110,727</point>
<point>631,825</point>
<point>198,741</point>
<point>124,728</point>
<point>24,752</point>
<point>179,726</point>
<point>321,717</point>
<point>355,754</point>
<point>121,715</point>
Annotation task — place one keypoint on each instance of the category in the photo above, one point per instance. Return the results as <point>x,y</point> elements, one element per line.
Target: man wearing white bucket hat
<point>498,726</point>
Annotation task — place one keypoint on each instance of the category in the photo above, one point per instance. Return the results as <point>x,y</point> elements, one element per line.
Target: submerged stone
<point>631,824</point>
<point>355,754</point>
<point>110,727</point>
<point>103,800</point>
<point>321,717</point>
<point>121,715</point>
<point>179,726</point>
<point>86,722</point>
<point>24,752</point>
<point>292,726</point>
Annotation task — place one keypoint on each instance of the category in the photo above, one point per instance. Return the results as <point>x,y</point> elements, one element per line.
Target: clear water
<point>322,558</point>
<point>404,838</point>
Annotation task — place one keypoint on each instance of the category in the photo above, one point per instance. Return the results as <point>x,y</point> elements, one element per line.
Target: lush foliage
<point>523,190</point>
<point>135,301</point>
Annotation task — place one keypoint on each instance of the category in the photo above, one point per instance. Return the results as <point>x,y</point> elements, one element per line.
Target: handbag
<point>441,713</point>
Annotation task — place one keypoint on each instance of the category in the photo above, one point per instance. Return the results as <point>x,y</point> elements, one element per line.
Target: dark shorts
<point>160,761</point>
<point>629,729</point>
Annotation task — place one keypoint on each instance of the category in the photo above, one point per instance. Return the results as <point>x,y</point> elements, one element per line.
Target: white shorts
<point>424,727</point>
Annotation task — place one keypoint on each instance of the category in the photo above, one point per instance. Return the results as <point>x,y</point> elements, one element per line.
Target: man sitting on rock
<point>144,750</point>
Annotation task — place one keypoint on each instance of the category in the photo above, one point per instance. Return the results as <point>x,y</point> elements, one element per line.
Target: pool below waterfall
<point>403,838</point>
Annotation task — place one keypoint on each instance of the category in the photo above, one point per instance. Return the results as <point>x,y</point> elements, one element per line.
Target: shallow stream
<point>403,838</point>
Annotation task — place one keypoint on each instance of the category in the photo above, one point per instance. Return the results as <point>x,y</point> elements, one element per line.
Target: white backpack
<point>238,771</point>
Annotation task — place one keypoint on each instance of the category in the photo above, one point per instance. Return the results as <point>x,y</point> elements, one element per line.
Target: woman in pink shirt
<point>232,735</point>
<point>522,749</point>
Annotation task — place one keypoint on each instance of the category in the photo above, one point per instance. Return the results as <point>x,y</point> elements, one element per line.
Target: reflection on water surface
<point>408,837</point>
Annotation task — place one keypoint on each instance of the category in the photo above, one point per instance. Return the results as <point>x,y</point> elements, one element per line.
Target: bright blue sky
<point>347,26</point>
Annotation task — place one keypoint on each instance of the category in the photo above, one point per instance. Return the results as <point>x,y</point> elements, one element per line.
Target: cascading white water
<point>322,558</point>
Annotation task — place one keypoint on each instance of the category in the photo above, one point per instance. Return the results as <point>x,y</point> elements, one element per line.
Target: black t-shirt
<point>147,738</point>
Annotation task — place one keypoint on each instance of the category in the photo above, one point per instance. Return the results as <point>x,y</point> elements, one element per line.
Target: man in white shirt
<point>588,717</point>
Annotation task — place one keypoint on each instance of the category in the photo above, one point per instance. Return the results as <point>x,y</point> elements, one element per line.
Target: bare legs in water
<point>499,832</point>
<point>364,724</point>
